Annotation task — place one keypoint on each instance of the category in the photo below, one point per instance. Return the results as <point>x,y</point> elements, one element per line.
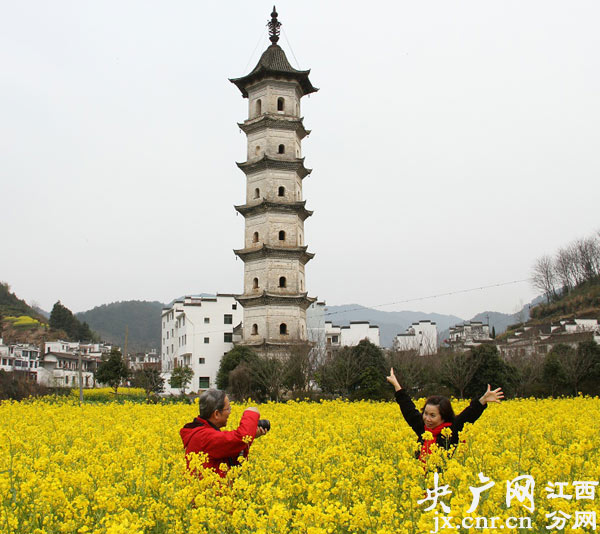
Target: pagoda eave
<point>265,298</point>
<point>267,162</point>
<point>300,77</point>
<point>272,121</point>
<point>266,206</point>
<point>264,251</point>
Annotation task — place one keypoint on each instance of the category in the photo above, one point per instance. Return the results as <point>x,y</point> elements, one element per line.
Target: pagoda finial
<point>274,25</point>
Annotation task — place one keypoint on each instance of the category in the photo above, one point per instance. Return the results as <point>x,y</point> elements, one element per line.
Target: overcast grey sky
<point>453,143</point>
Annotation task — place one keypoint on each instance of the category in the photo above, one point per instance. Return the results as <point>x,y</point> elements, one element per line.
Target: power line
<point>291,49</point>
<point>254,51</point>
<point>435,296</point>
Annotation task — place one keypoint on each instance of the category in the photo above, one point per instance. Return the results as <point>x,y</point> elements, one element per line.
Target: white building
<point>21,358</point>
<point>469,334</point>
<point>62,369</point>
<point>421,337</point>
<point>350,335</point>
<point>197,332</point>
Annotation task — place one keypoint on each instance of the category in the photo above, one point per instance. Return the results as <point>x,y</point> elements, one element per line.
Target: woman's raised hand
<point>393,380</point>
<point>491,395</point>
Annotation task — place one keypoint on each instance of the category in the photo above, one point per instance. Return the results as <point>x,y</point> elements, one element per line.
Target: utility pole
<point>80,376</point>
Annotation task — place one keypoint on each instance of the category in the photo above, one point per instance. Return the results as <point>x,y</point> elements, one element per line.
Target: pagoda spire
<point>274,26</point>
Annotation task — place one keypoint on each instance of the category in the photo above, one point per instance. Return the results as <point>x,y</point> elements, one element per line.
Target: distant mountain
<point>141,318</point>
<point>390,323</point>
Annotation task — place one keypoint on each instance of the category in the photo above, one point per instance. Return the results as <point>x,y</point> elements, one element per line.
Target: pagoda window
<point>257,193</point>
<point>255,330</point>
<point>282,281</point>
<point>301,285</point>
<point>283,329</point>
<point>281,235</point>
<point>280,104</point>
<point>281,149</point>
<point>281,191</point>
<point>258,107</point>
<point>255,237</point>
<point>255,283</point>
<point>257,150</point>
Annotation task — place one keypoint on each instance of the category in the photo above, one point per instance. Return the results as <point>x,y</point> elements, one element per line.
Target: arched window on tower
<point>281,149</point>
<point>258,107</point>
<point>283,329</point>
<point>255,330</point>
<point>281,235</point>
<point>257,150</point>
<point>282,281</point>
<point>280,104</point>
<point>281,191</point>
<point>255,237</point>
<point>257,193</point>
<point>255,283</point>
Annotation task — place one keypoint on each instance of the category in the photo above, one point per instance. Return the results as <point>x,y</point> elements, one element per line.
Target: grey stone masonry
<point>274,253</point>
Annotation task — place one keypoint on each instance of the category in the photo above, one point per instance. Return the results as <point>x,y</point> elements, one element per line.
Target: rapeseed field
<point>328,467</point>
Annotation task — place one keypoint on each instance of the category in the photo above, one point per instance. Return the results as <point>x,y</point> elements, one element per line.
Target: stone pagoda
<point>274,254</point>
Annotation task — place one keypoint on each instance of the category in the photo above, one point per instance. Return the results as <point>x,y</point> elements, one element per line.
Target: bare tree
<point>529,371</point>
<point>564,266</point>
<point>339,371</point>
<point>267,372</point>
<point>588,254</point>
<point>544,277</point>
<point>458,369</point>
<point>410,366</point>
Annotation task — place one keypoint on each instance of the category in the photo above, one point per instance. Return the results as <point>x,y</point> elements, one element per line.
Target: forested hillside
<point>140,318</point>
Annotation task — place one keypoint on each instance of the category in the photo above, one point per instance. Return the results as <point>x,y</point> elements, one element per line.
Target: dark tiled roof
<point>274,63</point>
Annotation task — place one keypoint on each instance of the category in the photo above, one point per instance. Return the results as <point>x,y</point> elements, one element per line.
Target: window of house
<point>281,149</point>
<point>203,382</point>
<point>283,329</point>
<point>281,235</point>
<point>206,340</point>
<point>228,337</point>
<point>234,306</point>
<point>254,329</point>
<point>201,360</point>
<point>281,191</point>
<point>227,318</point>
<point>206,320</point>
<point>280,104</point>
<point>334,339</point>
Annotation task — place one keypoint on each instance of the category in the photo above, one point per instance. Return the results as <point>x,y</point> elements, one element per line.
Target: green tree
<point>112,370</point>
<point>181,377</point>
<point>150,379</point>
<point>491,369</point>
<point>230,361</point>
<point>553,372</point>
<point>61,318</point>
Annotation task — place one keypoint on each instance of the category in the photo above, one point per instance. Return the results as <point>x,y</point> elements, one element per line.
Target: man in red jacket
<point>204,433</point>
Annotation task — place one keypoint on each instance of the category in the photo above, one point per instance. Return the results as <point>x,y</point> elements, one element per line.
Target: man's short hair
<point>211,400</point>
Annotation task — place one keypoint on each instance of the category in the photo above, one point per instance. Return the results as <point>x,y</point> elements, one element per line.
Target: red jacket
<point>222,447</point>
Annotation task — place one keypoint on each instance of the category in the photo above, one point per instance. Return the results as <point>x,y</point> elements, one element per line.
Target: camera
<point>264,424</point>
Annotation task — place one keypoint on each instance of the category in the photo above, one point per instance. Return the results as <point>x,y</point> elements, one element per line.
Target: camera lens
<point>265,424</point>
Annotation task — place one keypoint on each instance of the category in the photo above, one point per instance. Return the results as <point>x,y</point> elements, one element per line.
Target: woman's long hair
<point>444,406</point>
